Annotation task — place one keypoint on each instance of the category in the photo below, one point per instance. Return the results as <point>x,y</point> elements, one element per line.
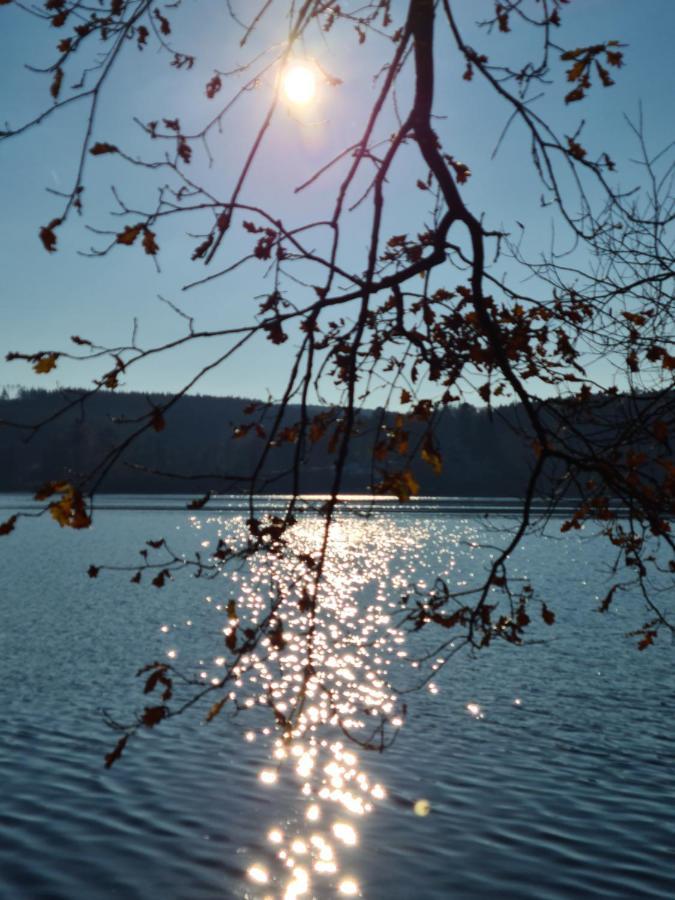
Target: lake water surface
<point>543,771</point>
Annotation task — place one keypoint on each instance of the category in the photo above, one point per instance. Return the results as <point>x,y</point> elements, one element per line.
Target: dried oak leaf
<point>128,235</point>
<point>547,614</point>
<point>115,754</point>
<point>45,363</point>
<point>48,235</point>
<point>102,147</point>
<point>150,245</point>
<point>8,525</point>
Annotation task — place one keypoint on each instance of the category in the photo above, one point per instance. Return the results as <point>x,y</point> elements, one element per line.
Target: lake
<point>542,771</point>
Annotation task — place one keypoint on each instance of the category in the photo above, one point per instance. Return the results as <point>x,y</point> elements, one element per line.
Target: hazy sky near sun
<point>46,298</point>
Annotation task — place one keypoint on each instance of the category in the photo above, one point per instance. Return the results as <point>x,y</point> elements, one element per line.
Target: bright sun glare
<point>299,83</point>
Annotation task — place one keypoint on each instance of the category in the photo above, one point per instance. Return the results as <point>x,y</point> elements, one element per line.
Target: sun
<point>299,83</point>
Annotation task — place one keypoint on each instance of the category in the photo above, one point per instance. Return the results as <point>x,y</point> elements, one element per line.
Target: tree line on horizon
<point>208,443</point>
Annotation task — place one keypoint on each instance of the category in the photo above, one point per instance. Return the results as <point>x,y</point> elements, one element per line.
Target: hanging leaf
<point>150,245</point>
<point>55,87</point>
<point>8,525</point>
<point>115,754</point>
<point>157,420</point>
<point>128,235</point>
<point>547,615</point>
<point>101,147</point>
<point>215,709</point>
<point>45,363</point>
<point>48,235</point>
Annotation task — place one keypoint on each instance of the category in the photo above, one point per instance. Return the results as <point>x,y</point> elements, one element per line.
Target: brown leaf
<point>55,88</point>
<point>213,86</point>
<point>48,235</point>
<point>607,602</point>
<point>573,96</point>
<point>8,525</point>
<point>184,150</point>
<point>157,420</point>
<point>647,640</point>
<point>200,502</point>
<point>153,715</point>
<point>150,245</point>
<point>101,147</point>
<point>153,679</point>
<point>160,578</point>
<point>275,332</point>
<point>129,235</point>
<point>431,456</point>
<point>215,709</point>
<point>547,614</point>
<point>115,754</point>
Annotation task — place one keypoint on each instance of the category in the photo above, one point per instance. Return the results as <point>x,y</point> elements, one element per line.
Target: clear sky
<point>45,298</point>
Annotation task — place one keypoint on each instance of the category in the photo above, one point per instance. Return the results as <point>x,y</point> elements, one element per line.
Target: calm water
<point>548,770</point>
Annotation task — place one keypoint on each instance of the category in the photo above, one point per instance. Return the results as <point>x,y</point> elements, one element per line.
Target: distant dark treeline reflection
<point>483,454</point>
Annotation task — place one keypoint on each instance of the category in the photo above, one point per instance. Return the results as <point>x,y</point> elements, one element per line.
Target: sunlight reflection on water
<point>325,672</point>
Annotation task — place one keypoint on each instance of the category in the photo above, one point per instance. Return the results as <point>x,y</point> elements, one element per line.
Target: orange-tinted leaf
<point>647,640</point>
<point>129,235</point>
<point>432,457</point>
<point>50,488</point>
<point>215,709</point>
<point>45,363</point>
<point>150,245</point>
<point>70,510</point>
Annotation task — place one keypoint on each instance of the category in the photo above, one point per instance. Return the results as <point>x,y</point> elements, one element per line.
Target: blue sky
<point>46,298</point>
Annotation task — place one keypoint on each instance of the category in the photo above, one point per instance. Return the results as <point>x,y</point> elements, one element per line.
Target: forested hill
<point>481,455</point>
